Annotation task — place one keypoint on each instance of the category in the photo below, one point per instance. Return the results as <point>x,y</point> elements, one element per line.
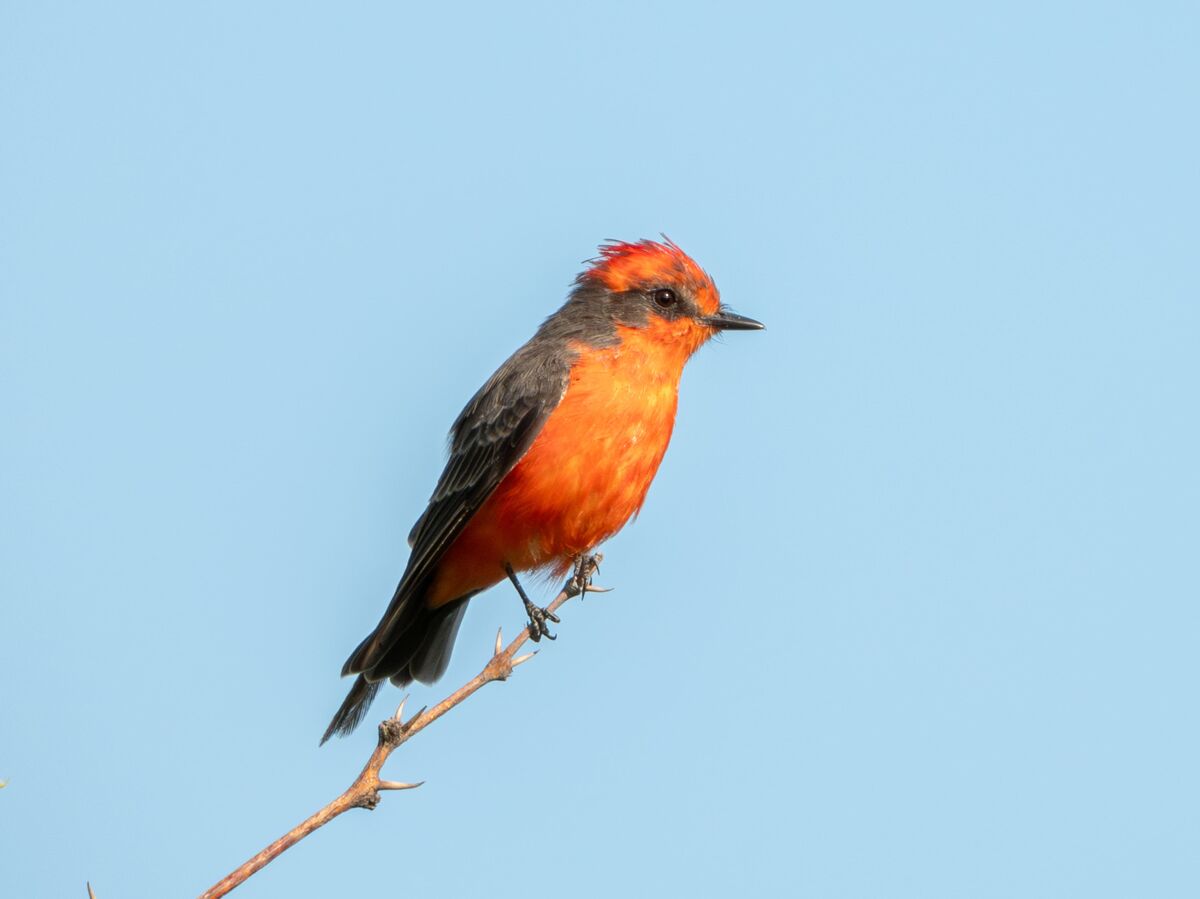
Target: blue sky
<point>911,609</point>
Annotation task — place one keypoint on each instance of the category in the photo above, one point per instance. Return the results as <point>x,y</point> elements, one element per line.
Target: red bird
<point>552,456</point>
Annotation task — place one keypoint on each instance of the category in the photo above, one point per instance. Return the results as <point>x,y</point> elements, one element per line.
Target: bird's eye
<point>665,297</point>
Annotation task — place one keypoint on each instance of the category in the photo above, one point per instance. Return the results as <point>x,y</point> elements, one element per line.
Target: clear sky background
<point>912,608</point>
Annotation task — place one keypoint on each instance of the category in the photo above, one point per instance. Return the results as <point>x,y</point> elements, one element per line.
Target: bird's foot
<point>580,582</point>
<point>537,615</point>
<point>537,621</point>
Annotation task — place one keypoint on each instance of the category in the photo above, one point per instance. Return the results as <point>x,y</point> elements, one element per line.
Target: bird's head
<point>656,289</point>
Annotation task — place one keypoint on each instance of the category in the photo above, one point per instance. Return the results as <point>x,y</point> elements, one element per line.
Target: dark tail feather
<point>353,709</point>
<point>421,651</point>
<point>433,655</point>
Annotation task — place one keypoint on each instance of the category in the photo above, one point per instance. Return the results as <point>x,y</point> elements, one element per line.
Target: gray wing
<point>490,436</point>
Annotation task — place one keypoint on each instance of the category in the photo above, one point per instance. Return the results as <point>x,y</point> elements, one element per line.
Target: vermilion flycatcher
<point>551,457</point>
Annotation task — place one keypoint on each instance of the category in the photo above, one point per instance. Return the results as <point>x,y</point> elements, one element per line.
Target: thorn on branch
<point>499,667</point>
<point>394,731</point>
<point>397,785</point>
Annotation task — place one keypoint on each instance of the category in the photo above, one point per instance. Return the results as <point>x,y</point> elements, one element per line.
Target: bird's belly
<point>576,489</point>
<point>584,477</point>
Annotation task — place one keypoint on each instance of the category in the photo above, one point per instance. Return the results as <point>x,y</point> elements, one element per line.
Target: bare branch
<point>394,732</point>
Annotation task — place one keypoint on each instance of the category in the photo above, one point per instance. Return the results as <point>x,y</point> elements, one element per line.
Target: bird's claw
<point>537,622</point>
<point>580,583</point>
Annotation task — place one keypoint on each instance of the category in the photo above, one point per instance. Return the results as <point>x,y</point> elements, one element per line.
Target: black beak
<point>725,320</point>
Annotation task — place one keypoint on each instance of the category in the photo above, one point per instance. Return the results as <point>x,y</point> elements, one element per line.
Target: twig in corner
<point>395,732</point>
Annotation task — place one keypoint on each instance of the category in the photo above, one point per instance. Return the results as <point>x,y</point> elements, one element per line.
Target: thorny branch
<point>395,732</point>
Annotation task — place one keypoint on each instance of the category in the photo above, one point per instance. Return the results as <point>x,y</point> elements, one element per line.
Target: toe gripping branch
<point>538,616</point>
<point>578,584</point>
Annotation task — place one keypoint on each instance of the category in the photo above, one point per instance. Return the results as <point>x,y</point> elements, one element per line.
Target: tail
<point>354,708</point>
<point>414,645</point>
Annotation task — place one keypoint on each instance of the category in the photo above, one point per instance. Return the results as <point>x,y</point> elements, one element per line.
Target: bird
<point>552,455</point>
